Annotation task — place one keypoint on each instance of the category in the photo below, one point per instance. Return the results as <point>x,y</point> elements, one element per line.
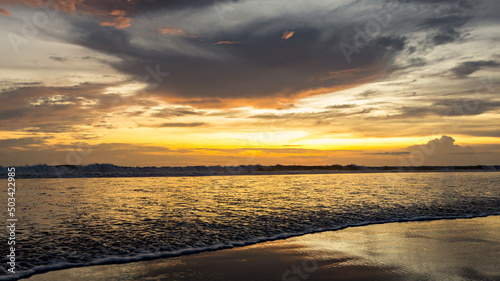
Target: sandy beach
<point>458,249</point>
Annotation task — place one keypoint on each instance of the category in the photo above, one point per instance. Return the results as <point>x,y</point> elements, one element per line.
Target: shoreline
<point>238,245</point>
<point>431,249</point>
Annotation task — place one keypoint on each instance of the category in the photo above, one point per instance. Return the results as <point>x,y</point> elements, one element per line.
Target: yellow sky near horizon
<point>131,87</point>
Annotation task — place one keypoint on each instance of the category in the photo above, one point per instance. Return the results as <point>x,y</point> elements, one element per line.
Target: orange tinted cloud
<point>119,22</point>
<point>120,13</point>
<point>67,5</point>
<point>172,31</point>
<point>5,12</point>
<point>227,42</point>
<point>63,5</point>
<point>81,6</point>
<point>287,34</point>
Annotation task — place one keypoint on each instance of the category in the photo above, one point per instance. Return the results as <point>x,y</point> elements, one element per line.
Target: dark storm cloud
<point>446,35</point>
<point>7,114</point>
<point>58,58</point>
<point>452,21</point>
<point>470,67</point>
<point>447,28</point>
<point>143,6</point>
<point>482,132</point>
<point>463,4</point>
<point>263,66</point>
<point>366,94</point>
<point>448,107</point>
<point>340,106</point>
<point>447,19</point>
<point>174,125</point>
<point>25,84</point>
<point>175,112</point>
<point>325,115</point>
<point>105,39</point>
<point>389,153</point>
<point>182,125</point>
<point>264,70</point>
<point>22,142</point>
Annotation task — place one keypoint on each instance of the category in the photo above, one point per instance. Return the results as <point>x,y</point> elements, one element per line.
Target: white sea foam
<point>105,221</point>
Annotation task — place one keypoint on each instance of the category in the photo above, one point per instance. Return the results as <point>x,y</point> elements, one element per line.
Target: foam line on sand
<point>458,249</point>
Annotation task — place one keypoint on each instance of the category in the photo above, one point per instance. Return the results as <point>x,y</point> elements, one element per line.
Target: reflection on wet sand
<point>461,249</point>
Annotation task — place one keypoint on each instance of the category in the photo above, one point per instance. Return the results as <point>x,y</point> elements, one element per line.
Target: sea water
<point>83,221</point>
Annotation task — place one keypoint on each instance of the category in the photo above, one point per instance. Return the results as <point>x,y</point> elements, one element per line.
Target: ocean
<point>84,221</point>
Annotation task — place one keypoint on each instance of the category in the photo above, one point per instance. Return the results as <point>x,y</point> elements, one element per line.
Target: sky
<point>180,83</point>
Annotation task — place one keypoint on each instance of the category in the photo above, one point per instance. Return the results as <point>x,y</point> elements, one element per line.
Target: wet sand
<point>458,249</point>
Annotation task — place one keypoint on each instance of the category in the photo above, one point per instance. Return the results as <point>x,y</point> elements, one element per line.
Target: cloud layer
<point>315,75</point>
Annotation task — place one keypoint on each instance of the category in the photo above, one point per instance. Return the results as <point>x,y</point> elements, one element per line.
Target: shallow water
<point>67,222</point>
<point>450,249</point>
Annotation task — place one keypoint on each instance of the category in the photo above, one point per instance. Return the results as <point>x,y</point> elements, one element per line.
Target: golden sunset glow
<point>192,140</point>
<point>212,85</point>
